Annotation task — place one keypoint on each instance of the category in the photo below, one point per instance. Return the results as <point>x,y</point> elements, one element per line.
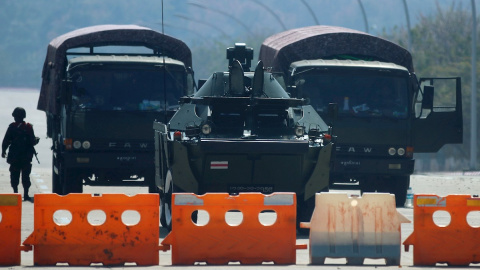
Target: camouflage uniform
<point>19,139</point>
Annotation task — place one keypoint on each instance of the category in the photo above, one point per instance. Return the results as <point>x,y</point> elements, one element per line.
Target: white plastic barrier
<point>355,228</point>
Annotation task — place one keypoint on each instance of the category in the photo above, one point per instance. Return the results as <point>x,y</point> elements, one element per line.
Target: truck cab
<point>380,123</point>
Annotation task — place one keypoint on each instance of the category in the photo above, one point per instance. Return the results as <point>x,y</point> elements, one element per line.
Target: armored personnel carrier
<point>242,132</point>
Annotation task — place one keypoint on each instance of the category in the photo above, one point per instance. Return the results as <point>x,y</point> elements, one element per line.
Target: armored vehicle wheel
<point>166,203</point>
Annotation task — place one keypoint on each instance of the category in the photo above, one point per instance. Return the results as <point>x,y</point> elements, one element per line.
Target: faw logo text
<point>351,149</point>
<point>127,145</point>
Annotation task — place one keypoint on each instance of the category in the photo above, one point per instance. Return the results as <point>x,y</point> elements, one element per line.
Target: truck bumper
<point>109,161</point>
<point>359,166</point>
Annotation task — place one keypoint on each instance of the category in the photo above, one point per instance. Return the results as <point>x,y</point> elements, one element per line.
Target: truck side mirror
<point>332,113</point>
<point>427,99</point>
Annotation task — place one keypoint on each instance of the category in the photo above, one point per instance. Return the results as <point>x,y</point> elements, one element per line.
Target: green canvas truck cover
<point>96,36</point>
<point>324,42</point>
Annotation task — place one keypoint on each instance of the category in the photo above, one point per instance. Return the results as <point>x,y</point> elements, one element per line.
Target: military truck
<point>385,113</point>
<point>241,132</point>
<point>102,88</point>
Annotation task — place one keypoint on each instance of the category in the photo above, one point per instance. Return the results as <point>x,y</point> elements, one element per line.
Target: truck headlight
<point>392,151</point>
<point>401,151</point>
<point>77,144</point>
<point>86,145</point>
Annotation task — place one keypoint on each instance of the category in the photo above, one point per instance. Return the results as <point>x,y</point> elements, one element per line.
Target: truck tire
<point>399,187</point>
<point>396,185</point>
<point>372,184</point>
<point>150,181</point>
<point>71,183</point>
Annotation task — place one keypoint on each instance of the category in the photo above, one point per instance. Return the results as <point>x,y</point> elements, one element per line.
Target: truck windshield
<point>126,87</point>
<point>359,93</point>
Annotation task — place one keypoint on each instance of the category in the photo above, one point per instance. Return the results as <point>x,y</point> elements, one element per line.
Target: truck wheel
<point>399,186</point>
<point>150,180</point>
<point>371,184</point>
<point>71,183</point>
<point>166,203</point>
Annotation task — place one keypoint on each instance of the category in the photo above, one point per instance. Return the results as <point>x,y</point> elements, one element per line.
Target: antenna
<point>164,75</point>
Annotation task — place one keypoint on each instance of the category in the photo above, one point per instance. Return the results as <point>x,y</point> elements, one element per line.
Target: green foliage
<point>441,47</point>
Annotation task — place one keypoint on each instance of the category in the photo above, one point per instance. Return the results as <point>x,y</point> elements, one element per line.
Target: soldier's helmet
<point>19,112</point>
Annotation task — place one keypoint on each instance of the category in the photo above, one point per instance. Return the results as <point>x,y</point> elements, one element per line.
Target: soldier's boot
<point>15,189</point>
<point>25,196</point>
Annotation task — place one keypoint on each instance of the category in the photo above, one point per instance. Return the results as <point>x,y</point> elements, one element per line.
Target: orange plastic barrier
<point>217,242</point>
<point>10,228</point>
<point>355,228</point>
<point>455,244</point>
<point>81,229</point>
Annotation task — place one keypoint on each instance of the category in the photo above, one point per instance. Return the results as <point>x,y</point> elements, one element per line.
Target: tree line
<point>441,47</point>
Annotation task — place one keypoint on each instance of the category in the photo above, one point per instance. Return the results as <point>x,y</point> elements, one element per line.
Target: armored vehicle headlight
<point>299,131</point>
<point>206,129</point>
<point>77,144</point>
<point>392,151</point>
<point>86,145</point>
<point>401,151</point>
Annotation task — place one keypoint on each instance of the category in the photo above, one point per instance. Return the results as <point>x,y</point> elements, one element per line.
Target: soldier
<point>20,139</point>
